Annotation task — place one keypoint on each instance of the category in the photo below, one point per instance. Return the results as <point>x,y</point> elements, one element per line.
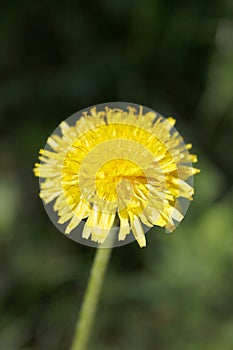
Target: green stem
<point>91,297</point>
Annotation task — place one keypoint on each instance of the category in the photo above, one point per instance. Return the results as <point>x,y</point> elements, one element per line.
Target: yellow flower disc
<point>111,172</point>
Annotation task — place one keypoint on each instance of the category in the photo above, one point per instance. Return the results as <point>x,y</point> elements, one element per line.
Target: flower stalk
<point>88,309</point>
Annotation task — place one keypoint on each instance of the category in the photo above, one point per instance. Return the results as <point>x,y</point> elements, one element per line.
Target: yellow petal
<point>138,231</point>
<point>74,222</point>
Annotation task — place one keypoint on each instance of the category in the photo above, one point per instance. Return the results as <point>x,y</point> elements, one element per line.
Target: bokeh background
<point>59,57</point>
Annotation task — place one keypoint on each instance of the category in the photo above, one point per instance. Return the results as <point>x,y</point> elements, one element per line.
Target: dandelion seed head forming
<point>115,169</point>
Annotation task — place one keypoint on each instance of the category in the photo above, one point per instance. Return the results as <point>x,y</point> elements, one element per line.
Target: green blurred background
<point>59,57</point>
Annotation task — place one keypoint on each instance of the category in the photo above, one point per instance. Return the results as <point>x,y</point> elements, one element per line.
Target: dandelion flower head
<point>119,168</point>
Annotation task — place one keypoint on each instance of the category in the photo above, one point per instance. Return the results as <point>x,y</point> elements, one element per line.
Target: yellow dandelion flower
<point>116,165</point>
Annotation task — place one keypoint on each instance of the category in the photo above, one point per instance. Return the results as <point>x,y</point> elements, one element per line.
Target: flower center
<point>118,179</point>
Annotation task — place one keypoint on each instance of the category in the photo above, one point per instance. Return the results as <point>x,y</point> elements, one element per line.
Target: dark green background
<point>59,57</point>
